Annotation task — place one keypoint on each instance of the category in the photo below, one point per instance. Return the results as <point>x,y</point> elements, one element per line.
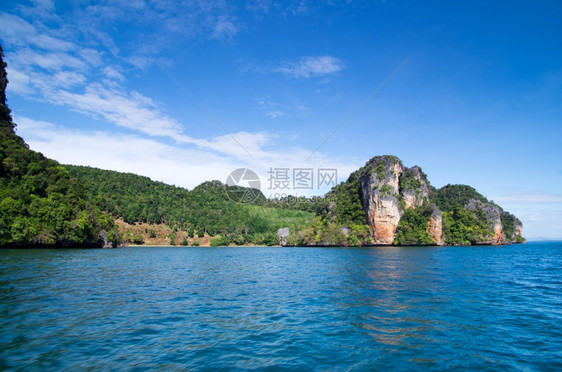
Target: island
<point>47,204</point>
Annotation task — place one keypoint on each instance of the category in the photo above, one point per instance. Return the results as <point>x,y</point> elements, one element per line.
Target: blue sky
<point>185,92</point>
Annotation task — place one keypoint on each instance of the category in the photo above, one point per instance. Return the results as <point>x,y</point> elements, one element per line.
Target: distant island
<point>46,204</point>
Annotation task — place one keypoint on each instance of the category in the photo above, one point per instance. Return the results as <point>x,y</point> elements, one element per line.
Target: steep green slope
<point>40,204</point>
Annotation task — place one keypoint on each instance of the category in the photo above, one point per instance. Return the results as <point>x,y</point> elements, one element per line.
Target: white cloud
<point>173,164</point>
<point>308,67</point>
<point>274,114</point>
<point>112,73</point>
<point>67,79</point>
<point>45,4</point>
<point>529,197</point>
<point>272,109</point>
<point>124,153</point>
<point>73,69</point>
<point>224,28</point>
<point>19,82</point>
<point>53,61</point>
<point>20,32</point>
<point>259,6</point>
<point>133,111</point>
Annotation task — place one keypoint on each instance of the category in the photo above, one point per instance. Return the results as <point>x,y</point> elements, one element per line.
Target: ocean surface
<point>323,309</point>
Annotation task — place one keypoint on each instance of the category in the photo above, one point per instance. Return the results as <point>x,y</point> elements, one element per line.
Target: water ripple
<point>431,308</point>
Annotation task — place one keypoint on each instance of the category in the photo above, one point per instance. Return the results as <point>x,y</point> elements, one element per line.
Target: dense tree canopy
<point>451,196</point>
<point>40,204</point>
<point>206,210</point>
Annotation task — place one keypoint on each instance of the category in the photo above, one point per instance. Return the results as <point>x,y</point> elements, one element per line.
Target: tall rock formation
<point>414,187</point>
<point>388,190</point>
<point>380,186</point>
<point>435,227</point>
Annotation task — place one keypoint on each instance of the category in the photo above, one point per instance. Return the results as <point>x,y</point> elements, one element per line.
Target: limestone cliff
<point>493,216</point>
<point>388,190</point>
<point>435,227</point>
<point>512,228</point>
<point>414,187</point>
<point>380,185</point>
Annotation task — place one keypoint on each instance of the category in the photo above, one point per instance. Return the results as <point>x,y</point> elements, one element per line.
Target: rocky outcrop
<point>493,215</point>
<point>435,227</point>
<point>518,233</point>
<point>283,235</point>
<point>414,187</point>
<point>513,228</point>
<point>388,189</point>
<point>380,186</point>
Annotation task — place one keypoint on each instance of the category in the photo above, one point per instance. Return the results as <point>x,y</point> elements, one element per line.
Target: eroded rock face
<point>514,229</point>
<point>518,230</point>
<point>435,227</point>
<point>493,213</point>
<point>380,186</point>
<point>414,187</point>
<point>388,189</point>
<point>283,235</point>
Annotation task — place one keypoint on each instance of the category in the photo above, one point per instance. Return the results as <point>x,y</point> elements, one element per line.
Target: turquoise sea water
<point>434,308</point>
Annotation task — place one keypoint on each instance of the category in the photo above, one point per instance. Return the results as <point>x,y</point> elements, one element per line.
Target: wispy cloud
<point>171,163</point>
<point>307,67</point>
<point>272,109</point>
<point>52,65</point>
<point>112,73</point>
<point>274,114</point>
<point>81,68</point>
<point>225,28</point>
<point>531,197</point>
<point>20,32</point>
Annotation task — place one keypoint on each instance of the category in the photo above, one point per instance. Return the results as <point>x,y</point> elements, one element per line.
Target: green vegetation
<point>385,190</point>
<point>412,228</point>
<point>324,232</point>
<point>137,239</point>
<point>464,227</point>
<point>340,219</point>
<point>508,223</point>
<point>409,182</point>
<point>41,205</point>
<point>380,171</point>
<point>344,202</point>
<point>451,196</point>
<point>461,226</point>
<point>219,240</point>
<point>207,209</point>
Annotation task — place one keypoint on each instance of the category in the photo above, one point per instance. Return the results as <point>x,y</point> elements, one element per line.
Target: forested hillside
<point>207,210</point>
<point>40,204</point>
